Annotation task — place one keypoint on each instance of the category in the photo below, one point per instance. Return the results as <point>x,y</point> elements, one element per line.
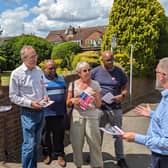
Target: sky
<point>39,17</point>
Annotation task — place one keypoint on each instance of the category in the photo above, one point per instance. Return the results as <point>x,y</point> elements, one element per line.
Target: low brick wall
<point>11,136</point>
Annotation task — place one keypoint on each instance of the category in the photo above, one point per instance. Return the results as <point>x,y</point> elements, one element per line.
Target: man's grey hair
<point>23,49</point>
<point>80,65</point>
<point>163,65</point>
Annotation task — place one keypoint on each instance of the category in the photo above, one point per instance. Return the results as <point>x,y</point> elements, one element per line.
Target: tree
<point>140,23</point>
<point>10,49</point>
<point>2,63</point>
<point>92,57</point>
<point>66,52</point>
<point>7,52</point>
<point>163,41</point>
<point>41,45</point>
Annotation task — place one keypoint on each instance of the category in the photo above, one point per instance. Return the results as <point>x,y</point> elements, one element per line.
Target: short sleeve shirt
<point>110,81</point>
<point>91,112</point>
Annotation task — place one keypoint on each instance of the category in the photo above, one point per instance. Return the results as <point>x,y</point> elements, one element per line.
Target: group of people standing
<point>29,85</point>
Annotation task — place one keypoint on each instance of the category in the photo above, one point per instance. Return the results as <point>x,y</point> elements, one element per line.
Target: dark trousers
<point>53,136</point>
<point>159,161</point>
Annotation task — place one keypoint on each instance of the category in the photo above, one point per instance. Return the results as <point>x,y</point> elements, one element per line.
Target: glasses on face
<point>160,73</point>
<point>86,70</point>
<point>33,57</point>
<point>52,68</point>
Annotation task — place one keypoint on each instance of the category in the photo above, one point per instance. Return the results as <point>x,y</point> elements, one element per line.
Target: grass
<point>4,76</point>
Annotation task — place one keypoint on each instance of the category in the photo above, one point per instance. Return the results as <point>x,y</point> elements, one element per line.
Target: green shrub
<point>92,57</point>
<point>123,59</point>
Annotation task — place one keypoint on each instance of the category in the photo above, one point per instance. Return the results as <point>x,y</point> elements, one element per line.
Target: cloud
<point>50,15</point>
<point>11,20</point>
<point>62,13</point>
<point>74,10</point>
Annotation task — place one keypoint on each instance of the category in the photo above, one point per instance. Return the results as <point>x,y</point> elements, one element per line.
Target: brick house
<point>88,38</point>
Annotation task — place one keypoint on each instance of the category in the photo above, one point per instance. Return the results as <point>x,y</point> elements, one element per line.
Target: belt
<point>159,155</point>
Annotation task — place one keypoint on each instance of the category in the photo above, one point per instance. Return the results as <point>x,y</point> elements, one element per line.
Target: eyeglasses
<point>31,57</point>
<point>52,68</point>
<point>160,73</point>
<point>86,70</point>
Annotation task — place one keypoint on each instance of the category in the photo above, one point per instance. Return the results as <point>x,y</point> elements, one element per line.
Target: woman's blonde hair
<point>80,65</point>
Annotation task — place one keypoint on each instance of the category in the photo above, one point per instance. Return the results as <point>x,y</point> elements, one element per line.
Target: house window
<point>79,42</point>
<point>94,43</point>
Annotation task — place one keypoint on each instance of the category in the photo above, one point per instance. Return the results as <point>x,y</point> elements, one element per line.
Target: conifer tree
<point>141,23</point>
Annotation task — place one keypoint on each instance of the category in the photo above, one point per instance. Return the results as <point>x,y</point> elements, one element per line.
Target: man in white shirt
<point>26,89</point>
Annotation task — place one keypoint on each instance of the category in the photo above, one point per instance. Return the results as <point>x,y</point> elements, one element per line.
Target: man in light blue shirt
<point>27,89</point>
<point>156,138</point>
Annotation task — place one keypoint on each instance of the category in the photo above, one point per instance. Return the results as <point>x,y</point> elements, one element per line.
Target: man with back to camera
<point>112,80</point>
<point>156,138</point>
<point>26,89</point>
<point>54,115</point>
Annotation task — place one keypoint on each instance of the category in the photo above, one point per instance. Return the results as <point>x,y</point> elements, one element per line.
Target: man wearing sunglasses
<point>54,115</point>
<point>112,81</point>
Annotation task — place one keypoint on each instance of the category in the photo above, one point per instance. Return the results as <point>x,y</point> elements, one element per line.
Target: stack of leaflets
<point>108,98</point>
<point>85,100</point>
<point>46,103</point>
<point>5,108</point>
<point>113,130</point>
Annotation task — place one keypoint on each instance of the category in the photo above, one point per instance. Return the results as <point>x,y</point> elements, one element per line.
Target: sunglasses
<point>52,68</point>
<point>86,70</point>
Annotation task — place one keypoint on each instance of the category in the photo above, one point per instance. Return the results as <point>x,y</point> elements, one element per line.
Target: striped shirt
<point>56,89</point>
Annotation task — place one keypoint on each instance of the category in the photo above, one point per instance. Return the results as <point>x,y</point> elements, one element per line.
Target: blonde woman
<point>85,123</point>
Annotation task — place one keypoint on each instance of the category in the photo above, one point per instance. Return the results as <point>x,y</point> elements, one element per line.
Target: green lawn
<point>5,78</point>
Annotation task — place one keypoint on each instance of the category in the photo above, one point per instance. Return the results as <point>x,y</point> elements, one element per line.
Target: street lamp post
<point>1,30</point>
<point>0,62</point>
<point>113,43</point>
<point>131,72</point>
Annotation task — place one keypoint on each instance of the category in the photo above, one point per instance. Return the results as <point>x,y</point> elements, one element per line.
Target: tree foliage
<point>66,52</point>
<point>92,57</point>
<point>11,49</point>
<point>141,23</point>
<point>2,63</point>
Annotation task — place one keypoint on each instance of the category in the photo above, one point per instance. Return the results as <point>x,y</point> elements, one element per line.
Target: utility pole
<point>0,62</point>
<point>131,72</point>
<point>113,44</point>
<point>1,30</point>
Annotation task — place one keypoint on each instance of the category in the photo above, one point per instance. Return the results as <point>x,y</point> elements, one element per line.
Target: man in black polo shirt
<point>112,80</point>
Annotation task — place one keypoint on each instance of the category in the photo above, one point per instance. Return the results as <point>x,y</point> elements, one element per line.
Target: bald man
<point>112,80</point>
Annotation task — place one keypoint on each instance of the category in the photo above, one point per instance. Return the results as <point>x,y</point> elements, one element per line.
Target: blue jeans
<point>32,125</point>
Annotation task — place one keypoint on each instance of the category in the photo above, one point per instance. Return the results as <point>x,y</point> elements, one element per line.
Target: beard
<point>158,85</point>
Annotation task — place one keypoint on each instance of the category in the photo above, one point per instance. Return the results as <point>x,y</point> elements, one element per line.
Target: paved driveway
<point>137,155</point>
